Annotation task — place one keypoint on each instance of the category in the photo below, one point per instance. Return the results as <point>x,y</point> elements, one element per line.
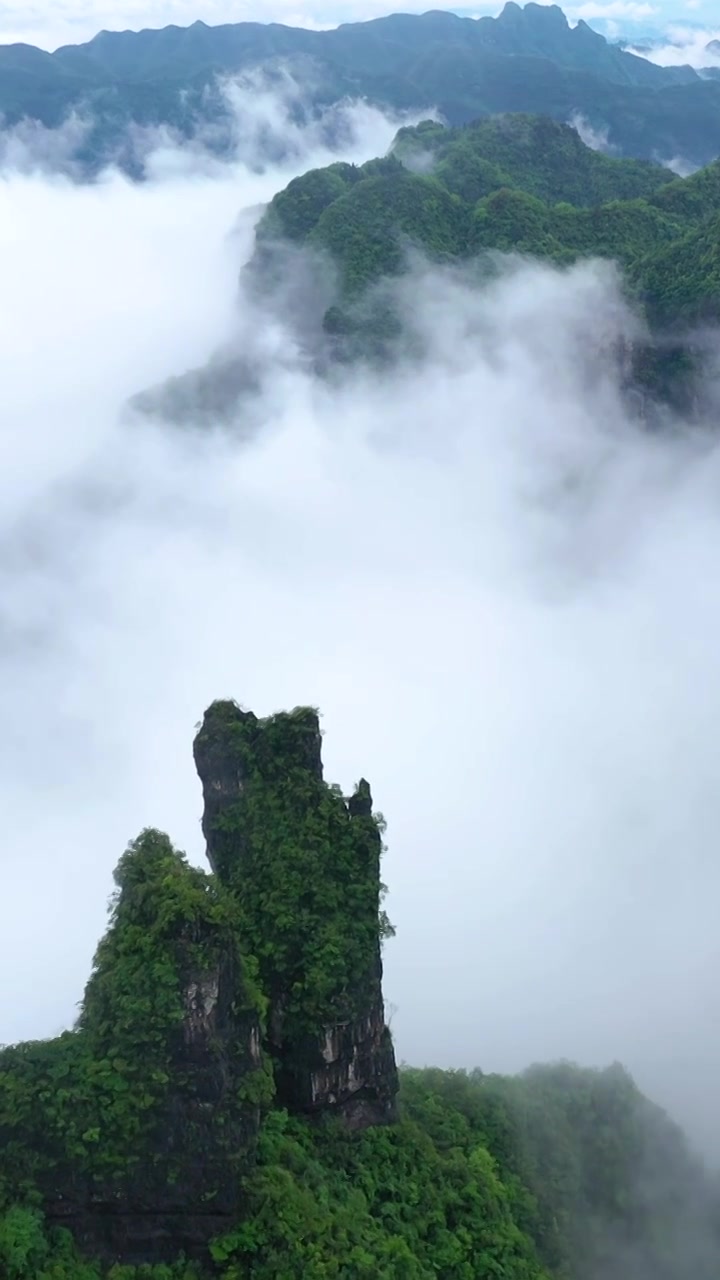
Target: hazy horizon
<point>49,25</point>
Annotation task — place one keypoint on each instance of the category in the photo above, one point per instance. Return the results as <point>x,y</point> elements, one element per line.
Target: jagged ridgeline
<point>526,59</point>
<point>227,1102</point>
<point>514,184</point>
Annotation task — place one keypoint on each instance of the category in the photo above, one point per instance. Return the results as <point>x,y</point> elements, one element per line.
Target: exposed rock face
<point>138,1126</point>
<point>304,864</point>
<point>181,1183</point>
<point>358,1075</point>
<point>210,996</point>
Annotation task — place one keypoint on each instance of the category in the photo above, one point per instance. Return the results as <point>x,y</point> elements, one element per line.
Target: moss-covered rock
<point>304,866</point>
<point>135,1128</point>
<point>209,994</point>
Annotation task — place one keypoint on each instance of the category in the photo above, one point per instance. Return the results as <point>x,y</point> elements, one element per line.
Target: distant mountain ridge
<point>533,31</point>
<point>527,59</point>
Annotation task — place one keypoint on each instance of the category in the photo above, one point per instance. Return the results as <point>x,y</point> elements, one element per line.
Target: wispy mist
<point>500,591</point>
<point>685,46</point>
<point>597,139</point>
<point>261,119</point>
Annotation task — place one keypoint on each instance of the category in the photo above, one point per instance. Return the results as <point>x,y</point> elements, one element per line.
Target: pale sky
<point>50,23</point>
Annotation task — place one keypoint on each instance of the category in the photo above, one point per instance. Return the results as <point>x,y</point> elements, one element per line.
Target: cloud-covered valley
<point>499,589</point>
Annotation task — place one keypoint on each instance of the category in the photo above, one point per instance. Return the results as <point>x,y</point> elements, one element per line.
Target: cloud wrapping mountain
<point>527,59</point>
<point>499,590</point>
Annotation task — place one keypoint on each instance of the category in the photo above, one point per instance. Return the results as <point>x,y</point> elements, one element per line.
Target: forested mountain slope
<point>229,1091</point>
<point>517,184</point>
<point>525,60</point>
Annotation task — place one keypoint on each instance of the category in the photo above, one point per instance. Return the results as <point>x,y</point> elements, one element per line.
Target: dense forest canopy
<point>522,184</point>
<point>518,185</point>
<point>527,59</point>
<point>162,1125</point>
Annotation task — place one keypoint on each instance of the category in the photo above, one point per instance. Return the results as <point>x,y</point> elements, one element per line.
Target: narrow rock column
<point>304,865</point>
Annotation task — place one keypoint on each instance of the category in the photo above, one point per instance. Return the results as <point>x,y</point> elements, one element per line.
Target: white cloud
<point>29,146</point>
<point>684,46</point>
<point>501,593</point>
<point>628,10</point>
<point>683,168</point>
<point>597,139</point>
<point>261,113</point>
<point>75,21</point>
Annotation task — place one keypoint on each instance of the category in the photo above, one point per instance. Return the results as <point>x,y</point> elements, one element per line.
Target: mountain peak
<point>589,32</point>
<point>549,16</point>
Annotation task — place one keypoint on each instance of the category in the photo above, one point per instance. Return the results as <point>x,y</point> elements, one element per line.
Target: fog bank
<point>498,590</point>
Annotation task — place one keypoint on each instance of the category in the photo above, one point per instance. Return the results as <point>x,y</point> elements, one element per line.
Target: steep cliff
<point>211,994</point>
<point>303,864</point>
<point>136,1127</point>
<point>149,1129</point>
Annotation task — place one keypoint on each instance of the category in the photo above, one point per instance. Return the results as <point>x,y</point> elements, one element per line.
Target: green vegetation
<point>526,59</point>
<point>531,153</point>
<point>113,1111</point>
<point>560,1172</point>
<point>152,1142</point>
<point>521,184</point>
<point>288,848</point>
<point>293,851</point>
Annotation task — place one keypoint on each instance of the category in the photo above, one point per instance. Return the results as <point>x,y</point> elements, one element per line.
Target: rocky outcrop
<point>138,1126</point>
<point>210,996</point>
<point>304,865</point>
<point>178,1178</point>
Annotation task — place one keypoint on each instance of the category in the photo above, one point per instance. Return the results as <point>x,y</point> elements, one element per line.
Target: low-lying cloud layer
<point>684,46</point>
<point>500,592</point>
<point>260,119</point>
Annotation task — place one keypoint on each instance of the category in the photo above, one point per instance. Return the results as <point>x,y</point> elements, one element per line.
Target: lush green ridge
<point>156,1126</point>
<point>525,60</point>
<point>113,1113</point>
<point>519,184</point>
<point>561,1172</point>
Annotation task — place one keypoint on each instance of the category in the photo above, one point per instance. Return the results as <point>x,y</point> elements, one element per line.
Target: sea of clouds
<point>501,591</point>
